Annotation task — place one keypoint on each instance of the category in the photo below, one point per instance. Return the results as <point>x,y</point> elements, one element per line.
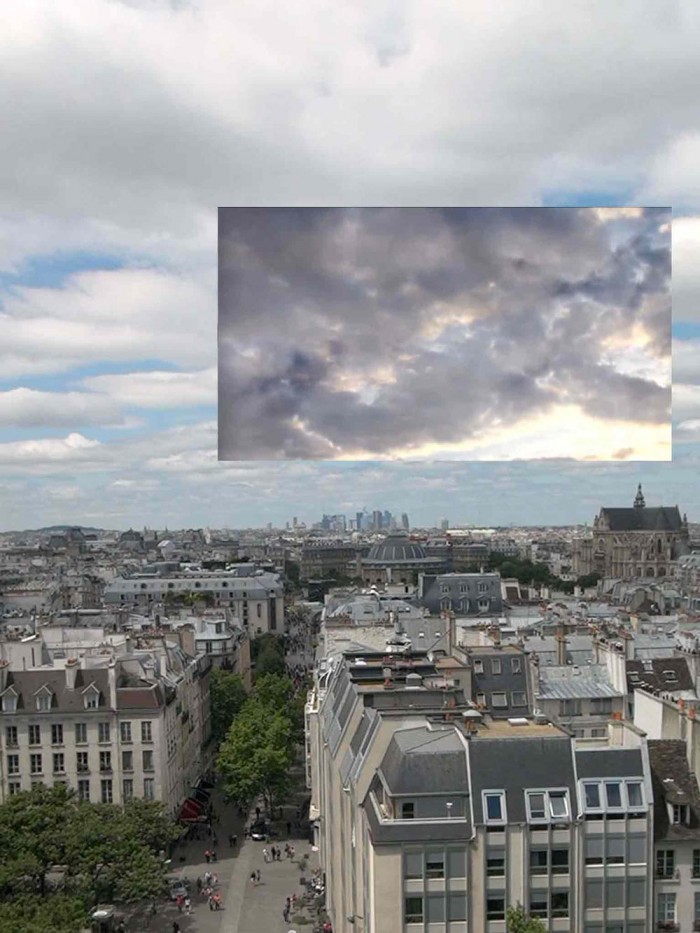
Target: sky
<point>449,333</point>
<point>127,125</point>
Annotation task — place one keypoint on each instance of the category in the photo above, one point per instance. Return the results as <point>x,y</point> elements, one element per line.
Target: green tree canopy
<point>517,921</point>
<point>227,695</point>
<point>257,753</point>
<point>269,661</point>
<point>60,913</point>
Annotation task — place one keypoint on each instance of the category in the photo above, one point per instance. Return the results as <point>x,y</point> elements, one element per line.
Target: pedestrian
<point>211,902</point>
<point>199,885</point>
<point>217,901</point>
<point>207,856</point>
<point>213,857</point>
<point>286,849</point>
<point>289,828</point>
<point>265,855</point>
<point>176,927</point>
<point>207,878</point>
<point>214,880</point>
<point>252,876</point>
<point>285,914</point>
<point>291,849</point>
<point>188,904</point>
<point>257,875</point>
<point>179,900</point>
<point>230,840</point>
<point>235,840</point>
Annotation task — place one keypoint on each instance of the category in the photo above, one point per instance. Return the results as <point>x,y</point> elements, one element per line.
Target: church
<point>632,543</point>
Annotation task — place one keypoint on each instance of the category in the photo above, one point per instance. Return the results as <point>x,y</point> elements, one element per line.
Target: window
<point>456,907</point>
<point>91,700</point>
<point>146,732</point>
<point>435,865</point>
<point>106,790</point>
<point>592,796</point>
<point>127,761</point>
<point>483,604</point>
<point>478,666</point>
<point>615,850</point>
<point>613,794</point>
<point>407,811</point>
<point>105,761</point>
<point>481,699</point>
<point>696,863</point>
<point>636,892</point>
<point>127,789</point>
<point>148,760</point>
<point>84,790</point>
<point>495,665</point>
<point>57,734</point>
<point>13,764</point>
<point>516,665</point>
<point>539,907</point>
<point>696,906</point>
<point>125,731</point>
<point>518,698</point>
<point>457,863</point>
<point>14,787</point>
<point>81,761</point>
<point>665,863</point>
<point>35,735</point>
<point>499,700</point>
<point>496,864</point>
<point>570,708</point>
<point>635,797</point>
<point>495,908</point>
<point>679,813</point>
<point>538,861</point>
<point>494,806</point>
<point>413,909</point>
<point>413,865</point>
<point>103,732</point>
<point>637,850</point>
<point>535,806</point>
<point>43,702</point>
<point>11,736</point>
<point>35,764</point>
<point>59,763</point>
<point>666,908</point>
<point>9,703</point>
<point>558,805</point>
<point>560,861</point>
<point>148,788</point>
<point>81,733</point>
<point>594,893</point>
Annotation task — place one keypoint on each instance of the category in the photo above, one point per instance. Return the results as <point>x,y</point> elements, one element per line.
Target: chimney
<point>561,645</point>
<point>129,645</point>
<point>4,668</point>
<point>495,633</point>
<point>112,680</point>
<point>71,672</point>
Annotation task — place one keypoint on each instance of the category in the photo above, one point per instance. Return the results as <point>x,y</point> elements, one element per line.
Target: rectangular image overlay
<point>444,333</point>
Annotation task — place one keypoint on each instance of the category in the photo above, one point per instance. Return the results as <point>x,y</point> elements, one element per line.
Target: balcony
<point>667,925</point>
<point>672,874</point>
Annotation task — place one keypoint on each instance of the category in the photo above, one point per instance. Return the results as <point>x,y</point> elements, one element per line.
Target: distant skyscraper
<point>377,520</point>
<point>358,521</point>
<point>294,521</point>
<point>445,524</point>
<point>387,518</point>
<point>405,524</point>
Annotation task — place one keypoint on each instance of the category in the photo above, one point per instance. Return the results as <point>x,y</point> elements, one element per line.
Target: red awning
<point>190,810</point>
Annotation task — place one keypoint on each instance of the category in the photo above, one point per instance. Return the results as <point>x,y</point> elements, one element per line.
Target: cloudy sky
<point>453,333</point>
<point>127,124</point>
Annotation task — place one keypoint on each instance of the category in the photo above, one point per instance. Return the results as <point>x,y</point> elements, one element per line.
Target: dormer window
<point>634,677</point>
<point>91,697</point>
<point>545,806</point>
<point>679,813</point>
<point>478,666</point>
<point>494,806</point>
<point>670,676</point>
<point>9,703</point>
<point>43,699</point>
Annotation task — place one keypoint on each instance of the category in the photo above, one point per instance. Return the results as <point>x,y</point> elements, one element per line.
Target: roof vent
<point>414,681</point>
<point>518,721</point>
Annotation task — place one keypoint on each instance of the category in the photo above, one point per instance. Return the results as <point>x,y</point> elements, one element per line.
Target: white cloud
<point>72,448</point>
<point>686,361</point>
<point>158,389</point>
<point>686,268</point>
<point>29,408</point>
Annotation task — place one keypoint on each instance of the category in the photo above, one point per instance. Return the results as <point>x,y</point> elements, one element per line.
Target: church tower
<point>639,502</point>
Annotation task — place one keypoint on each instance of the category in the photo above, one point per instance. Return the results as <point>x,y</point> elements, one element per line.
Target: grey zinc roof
<point>579,648</point>
<point>516,764</point>
<point>652,673</point>
<point>26,683</point>
<point>392,832</point>
<point>418,761</point>
<point>609,762</point>
<point>569,682</point>
<point>673,782</point>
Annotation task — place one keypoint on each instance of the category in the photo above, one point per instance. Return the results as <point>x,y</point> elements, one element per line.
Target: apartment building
<point>114,723</point>
<point>464,593</point>
<point>257,598</point>
<point>449,815</point>
<point>581,698</point>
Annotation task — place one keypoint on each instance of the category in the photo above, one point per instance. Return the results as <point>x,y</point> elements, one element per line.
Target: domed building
<point>396,559</point>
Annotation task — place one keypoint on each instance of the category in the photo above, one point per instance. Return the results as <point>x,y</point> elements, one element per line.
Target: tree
<point>60,913</point>
<point>269,661</point>
<point>227,694</point>
<point>257,753</point>
<point>517,921</point>
<point>277,692</point>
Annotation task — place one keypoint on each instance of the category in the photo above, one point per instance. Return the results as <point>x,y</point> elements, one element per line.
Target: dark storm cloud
<point>381,329</point>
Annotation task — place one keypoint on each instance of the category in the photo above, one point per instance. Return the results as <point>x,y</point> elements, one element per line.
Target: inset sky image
<point>444,333</point>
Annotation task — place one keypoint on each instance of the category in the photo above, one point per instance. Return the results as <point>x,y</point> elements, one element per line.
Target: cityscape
<point>489,726</point>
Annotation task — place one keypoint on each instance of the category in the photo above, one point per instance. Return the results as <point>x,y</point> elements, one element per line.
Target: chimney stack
<point>4,668</point>
<point>71,672</point>
<point>561,645</point>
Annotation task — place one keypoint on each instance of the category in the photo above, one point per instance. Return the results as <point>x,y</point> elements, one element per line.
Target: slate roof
<point>579,648</point>
<point>393,832</point>
<point>562,683</point>
<point>673,782</point>
<point>609,762</point>
<point>515,764</point>
<point>420,761</point>
<point>651,673</point>
<point>508,681</point>
<point>655,518</point>
<point>26,683</point>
